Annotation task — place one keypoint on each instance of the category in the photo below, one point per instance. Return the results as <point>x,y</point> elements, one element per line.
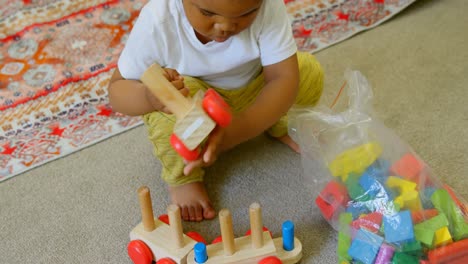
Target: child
<point>244,49</point>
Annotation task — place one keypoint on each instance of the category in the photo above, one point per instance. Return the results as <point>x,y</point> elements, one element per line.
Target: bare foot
<point>286,139</point>
<point>193,201</point>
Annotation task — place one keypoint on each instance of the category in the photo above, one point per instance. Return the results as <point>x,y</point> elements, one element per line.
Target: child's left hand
<point>210,152</point>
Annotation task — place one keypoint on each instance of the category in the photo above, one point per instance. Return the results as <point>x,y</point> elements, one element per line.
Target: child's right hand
<point>210,153</point>
<point>177,81</point>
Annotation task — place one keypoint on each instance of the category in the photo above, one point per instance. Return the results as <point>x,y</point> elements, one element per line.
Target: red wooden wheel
<point>217,240</point>
<point>165,261</point>
<point>164,218</point>
<point>139,252</point>
<point>270,260</point>
<point>217,108</point>
<point>248,233</point>
<point>183,151</point>
<point>196,236</point>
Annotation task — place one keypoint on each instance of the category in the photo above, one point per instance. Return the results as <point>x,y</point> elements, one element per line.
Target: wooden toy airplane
<point>195,118</point>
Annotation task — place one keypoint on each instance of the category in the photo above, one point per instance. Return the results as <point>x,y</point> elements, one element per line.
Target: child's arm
<point>275,99</point>
<point>131,97</point>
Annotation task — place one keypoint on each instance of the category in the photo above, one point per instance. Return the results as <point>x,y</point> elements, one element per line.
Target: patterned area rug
<point>56,58</point>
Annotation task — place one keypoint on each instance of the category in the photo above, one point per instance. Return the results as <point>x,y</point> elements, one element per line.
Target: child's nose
<point>225,26</point>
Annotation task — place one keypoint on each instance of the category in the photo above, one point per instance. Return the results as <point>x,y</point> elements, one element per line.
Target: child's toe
<point>209,212</point>
<point>198,213</point>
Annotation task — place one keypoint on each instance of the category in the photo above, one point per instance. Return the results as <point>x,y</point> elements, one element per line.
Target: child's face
<point>218,20</point>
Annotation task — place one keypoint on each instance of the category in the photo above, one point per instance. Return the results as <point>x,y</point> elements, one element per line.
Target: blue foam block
<point>398,228</point>
<point>365,246</point>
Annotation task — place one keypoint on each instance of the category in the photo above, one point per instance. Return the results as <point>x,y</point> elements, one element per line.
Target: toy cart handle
<point>154,79</point>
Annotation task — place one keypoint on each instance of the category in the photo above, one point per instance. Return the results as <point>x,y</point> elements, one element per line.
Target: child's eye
<point>250,13</point>
<point>206,13</point>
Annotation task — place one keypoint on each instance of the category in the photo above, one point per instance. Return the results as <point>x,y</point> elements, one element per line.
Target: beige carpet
<point>80,209</point>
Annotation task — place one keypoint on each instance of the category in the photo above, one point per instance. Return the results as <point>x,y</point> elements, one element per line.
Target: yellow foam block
<point>355,160</point>
<point>442,237</point>
<point>409,200</point>
<point>401,184</point>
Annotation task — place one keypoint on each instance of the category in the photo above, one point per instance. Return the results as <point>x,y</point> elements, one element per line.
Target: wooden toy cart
<point>257,247</point>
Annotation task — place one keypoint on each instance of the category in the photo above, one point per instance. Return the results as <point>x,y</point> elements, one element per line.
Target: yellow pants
<point>160,125</point>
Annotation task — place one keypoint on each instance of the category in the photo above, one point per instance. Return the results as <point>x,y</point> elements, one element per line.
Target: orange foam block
<point>452,253</point>
<point>371,222</point>
<point>410,168</point>
<point>333,197</point>
<point>423,215</point>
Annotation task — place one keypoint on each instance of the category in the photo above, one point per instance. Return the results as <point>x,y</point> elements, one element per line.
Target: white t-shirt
<point>163,34</point>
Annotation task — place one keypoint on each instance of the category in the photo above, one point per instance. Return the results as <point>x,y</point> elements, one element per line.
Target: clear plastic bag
<point>383,199</point>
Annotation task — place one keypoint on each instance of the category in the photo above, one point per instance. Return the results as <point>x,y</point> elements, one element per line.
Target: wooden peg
<point>227,233</point>
<point>146,208</point>
<point>256,225</point>
<point>175,224</point>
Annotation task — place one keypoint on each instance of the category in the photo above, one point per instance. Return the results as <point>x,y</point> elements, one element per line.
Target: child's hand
<point>210,152</point>
<point>177,81</point>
